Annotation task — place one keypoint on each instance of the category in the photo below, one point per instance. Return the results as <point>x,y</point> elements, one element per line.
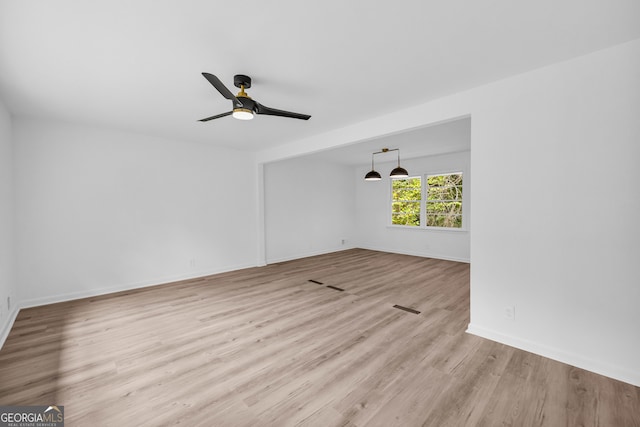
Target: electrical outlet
<point>510,312</point>
<point>343,241</point>
<point>192,263</point>
<point>9,303</point>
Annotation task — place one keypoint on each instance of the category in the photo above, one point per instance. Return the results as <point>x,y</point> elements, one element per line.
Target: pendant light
<point>398,172</point>
<point>372,175</point>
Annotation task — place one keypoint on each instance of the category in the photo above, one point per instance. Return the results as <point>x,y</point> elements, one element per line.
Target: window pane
<point>405,219</point>
<point>454,179</point>
<point>406,183</point>
<point>444,200</point>
<point>406,207</point>
<point>406,195</point>
<point>451,221</point>
<point>444,193</point>
<point>444,207</point>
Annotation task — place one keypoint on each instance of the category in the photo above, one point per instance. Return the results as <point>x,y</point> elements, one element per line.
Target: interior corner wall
<point>309,208</point>
<point>555,230</point>
<point>373,209</point>
<point>100,210</point>
<point>8,284</point>
<point>555,211</point>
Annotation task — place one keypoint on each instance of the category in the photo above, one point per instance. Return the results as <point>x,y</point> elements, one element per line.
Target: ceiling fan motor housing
<point>240,80</point>
<point>248,104</point>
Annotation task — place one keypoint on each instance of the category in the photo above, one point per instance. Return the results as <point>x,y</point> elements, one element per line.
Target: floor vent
<point>315,281</point>
<point>337,289</point>
<point>410,310</point>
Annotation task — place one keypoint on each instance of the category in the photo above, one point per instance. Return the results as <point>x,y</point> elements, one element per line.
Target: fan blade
<point>261,109</point>
<point>222,88</point>
<point>228,113</point>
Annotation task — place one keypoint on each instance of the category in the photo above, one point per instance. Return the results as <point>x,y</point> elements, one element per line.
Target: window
<point>406,198</point>
<point>444,200</point>
<point>429,201</point>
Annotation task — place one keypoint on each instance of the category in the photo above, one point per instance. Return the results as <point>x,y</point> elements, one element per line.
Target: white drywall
<point>556,235</point>
<point>309,208</point>
<point>101,210</point>
<point>8,284</point>
<point>373,210</point>
<point>555,211</point>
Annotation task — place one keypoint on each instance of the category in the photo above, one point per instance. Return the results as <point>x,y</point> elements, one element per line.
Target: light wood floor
<point>267,347</point>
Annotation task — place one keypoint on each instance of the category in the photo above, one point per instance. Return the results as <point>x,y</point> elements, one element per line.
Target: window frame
<point>423,206</point>
<point>420,202</point>
<point>426,200</point>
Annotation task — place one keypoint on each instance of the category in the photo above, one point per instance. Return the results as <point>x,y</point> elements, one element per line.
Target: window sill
<point>437,229</point>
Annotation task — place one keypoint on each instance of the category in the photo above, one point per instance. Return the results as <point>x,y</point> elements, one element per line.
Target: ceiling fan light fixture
<point>242,114</point>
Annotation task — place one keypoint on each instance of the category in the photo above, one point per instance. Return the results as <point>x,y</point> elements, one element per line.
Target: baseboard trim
<point>370,248</point>
<point>6,328</point>
<point>308,254</point>
<point>52,299</point>
<point>598,367</point>
<point>415,253</point>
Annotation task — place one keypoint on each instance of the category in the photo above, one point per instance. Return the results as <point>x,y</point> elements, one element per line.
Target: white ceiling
<point>136,64</point>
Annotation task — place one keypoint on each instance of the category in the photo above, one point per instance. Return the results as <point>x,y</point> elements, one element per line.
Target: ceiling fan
<point>244,108</point>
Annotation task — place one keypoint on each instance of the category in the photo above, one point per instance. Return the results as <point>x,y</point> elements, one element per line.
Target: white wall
<point>309,208</point>
<point>101,210</point>
<point>7,262</point>
<point>373,210</point>
<point>560,241</point>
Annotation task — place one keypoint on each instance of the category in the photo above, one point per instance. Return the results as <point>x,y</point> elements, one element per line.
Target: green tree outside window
<point>406,201</point>
<point>444,200</point>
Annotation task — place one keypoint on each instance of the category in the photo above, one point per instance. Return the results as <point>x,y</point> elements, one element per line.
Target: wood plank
<point>265,346</point>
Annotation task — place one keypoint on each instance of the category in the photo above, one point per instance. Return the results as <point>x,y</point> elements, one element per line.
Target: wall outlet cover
<point>510,312</point>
